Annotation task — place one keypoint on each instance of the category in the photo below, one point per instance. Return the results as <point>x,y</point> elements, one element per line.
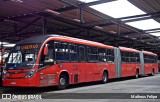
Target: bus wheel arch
<point>63,80</point>
<point>137,73</point>
<point>105,76</point>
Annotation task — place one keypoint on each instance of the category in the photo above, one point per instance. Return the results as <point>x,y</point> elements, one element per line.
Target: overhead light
<point>9,45</point>
<point>10,21</point>
<point>113,32</point>
<point>19,1</point>
<point>98,27</point>
<point>4,43</point>
<point>77,20</point>
<point>134,38</point>
<point>52,12</point>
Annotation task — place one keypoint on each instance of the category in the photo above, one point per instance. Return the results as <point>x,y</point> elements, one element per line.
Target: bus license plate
<point>13,82</point>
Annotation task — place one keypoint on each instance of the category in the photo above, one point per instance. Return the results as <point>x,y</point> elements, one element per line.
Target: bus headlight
<point>5,74</point>
<point>29,74</point>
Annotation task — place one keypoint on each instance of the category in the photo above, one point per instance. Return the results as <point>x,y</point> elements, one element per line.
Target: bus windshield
<point>22,56</point>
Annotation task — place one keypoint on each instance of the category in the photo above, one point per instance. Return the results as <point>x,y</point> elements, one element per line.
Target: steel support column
<point>81,15</point>
<point>15,28</point>
<point>44,26</point>
<point>88,34</point>
<point>119,29</point>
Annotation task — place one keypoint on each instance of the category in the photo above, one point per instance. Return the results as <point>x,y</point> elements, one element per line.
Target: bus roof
<point>81,41</point>
<point>37,39</point>
<point>149,53</point>
<point>128,49</point>
<point>43,38</point>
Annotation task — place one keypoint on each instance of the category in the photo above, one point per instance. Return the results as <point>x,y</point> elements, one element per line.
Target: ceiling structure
<point>20,19</point>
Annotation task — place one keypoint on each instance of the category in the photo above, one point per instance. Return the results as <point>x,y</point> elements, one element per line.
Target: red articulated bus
<point>55,60</point>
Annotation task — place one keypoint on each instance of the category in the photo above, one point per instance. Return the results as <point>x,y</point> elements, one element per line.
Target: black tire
<point>105,77</point>
<point>137,74</point>
<point>63,82</point>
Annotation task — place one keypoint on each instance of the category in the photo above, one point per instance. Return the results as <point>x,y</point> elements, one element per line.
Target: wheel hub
<point>62,81</point>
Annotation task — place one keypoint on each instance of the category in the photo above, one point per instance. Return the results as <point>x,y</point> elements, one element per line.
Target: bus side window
<point>73,52</point>
<point>110,55</point>
<point>82,54</point>
<point>61,51</point>
<point>102,55</point>
<point>92,54</point>
<point>137,56</point>
<point>123,56</point>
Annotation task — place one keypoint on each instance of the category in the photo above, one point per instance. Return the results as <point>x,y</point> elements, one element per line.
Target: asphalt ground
<point>143,89</point>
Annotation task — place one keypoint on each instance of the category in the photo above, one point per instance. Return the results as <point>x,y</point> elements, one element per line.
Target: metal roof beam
<point>141,15</point>
<point>27,25</point>
<point>139,19</point>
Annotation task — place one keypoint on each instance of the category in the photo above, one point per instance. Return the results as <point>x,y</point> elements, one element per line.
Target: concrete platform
<point>145,84</point>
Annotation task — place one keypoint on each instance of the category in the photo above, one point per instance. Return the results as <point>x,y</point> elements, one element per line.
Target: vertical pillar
<point>88,34</point>
<point>140,37</point>
<point>119,29</point>
<point>114,44</point>
<point>44,26</point>
<point>81,14</point>
<point>15,28</point>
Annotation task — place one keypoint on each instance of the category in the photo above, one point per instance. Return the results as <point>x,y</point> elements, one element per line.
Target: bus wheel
<point>105,77</point>
<point>152,72</point>
<point>62,82</point>
<point>137,74</point>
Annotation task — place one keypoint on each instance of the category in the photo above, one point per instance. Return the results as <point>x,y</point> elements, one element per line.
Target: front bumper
<point>23,82</point>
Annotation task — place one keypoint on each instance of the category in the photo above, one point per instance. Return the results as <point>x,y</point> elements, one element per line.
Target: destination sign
<point>29,46</point>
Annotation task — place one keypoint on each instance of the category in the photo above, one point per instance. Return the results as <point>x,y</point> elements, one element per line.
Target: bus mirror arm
<point>55,62</point>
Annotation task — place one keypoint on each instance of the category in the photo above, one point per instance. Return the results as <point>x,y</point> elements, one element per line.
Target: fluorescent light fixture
<point>77,20</point>
<point>9,45</point>
<point>87,1</point>
<point>113,32</point>
<point>145,24</point>
<point>19,1</point>
<point>134,38</point>
<point>155,34</point>
<point>119,8</point>
<point>52,12</point>
<point>4,43</point>
<point>142,40</point>
<point>98,27</point>
<point>10,21</point>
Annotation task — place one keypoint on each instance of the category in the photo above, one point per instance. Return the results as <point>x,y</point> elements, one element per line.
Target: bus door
<point>82,64</point>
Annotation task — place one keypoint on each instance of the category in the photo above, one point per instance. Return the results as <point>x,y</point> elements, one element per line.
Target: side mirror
<point>45,51</point>
<point>3,51</point>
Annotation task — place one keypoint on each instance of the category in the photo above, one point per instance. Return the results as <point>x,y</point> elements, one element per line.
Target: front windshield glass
<point>22,56</point>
